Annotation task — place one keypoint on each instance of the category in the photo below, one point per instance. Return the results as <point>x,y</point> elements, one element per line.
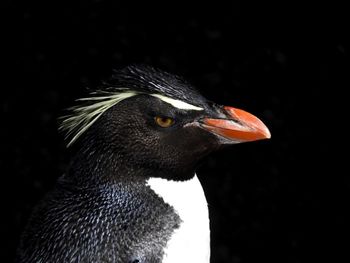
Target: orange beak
<point>241,126</point>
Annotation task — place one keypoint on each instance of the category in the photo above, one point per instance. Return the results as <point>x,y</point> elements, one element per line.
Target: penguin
<point>131,193</point>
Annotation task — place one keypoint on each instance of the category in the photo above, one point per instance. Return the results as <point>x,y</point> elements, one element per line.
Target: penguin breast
<point>191,241</point>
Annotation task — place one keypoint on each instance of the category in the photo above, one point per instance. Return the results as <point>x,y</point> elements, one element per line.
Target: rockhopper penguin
<point>131,193</point>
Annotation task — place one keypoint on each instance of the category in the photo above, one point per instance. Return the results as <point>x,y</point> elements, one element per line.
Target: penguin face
<point>147,132</point>
<point>150,133</point>
<point>156,121</point>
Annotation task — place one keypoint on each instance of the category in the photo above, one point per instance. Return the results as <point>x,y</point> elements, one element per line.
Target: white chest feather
<point>191,241</point>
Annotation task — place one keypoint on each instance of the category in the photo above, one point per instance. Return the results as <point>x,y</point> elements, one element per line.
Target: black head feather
<point>147,79</point>
<point>125,83</point>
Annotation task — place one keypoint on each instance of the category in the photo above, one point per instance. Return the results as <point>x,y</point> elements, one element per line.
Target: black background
<point>282,200</point>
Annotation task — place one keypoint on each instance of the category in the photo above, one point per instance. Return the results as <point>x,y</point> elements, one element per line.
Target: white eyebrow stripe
<point>177,103</point>
<point>81,117</point>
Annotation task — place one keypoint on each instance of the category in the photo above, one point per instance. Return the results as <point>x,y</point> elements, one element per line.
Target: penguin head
<point>145,118</point>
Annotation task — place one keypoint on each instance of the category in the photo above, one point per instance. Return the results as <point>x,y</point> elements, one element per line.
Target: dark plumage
<point>102,209</point>
<point>151,80</point>
<point>105,223</point>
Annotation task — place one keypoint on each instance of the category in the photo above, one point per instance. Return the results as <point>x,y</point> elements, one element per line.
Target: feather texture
<point>126,83</point>
<point>91,108</point>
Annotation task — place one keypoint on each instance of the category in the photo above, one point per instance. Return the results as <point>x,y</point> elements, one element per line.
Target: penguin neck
<point>95,167</point>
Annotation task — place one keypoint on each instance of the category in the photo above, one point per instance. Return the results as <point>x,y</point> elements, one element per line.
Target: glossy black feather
<point>147,79</point>
<point>107,223</point>
<point>102,210</point>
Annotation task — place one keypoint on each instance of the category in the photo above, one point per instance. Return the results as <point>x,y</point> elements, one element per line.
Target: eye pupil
<point>164,122</point>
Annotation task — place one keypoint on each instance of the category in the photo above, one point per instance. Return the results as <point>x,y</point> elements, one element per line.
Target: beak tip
<point>267,134</point>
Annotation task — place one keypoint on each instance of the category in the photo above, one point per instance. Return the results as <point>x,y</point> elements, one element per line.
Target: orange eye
<point>164,122</point>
